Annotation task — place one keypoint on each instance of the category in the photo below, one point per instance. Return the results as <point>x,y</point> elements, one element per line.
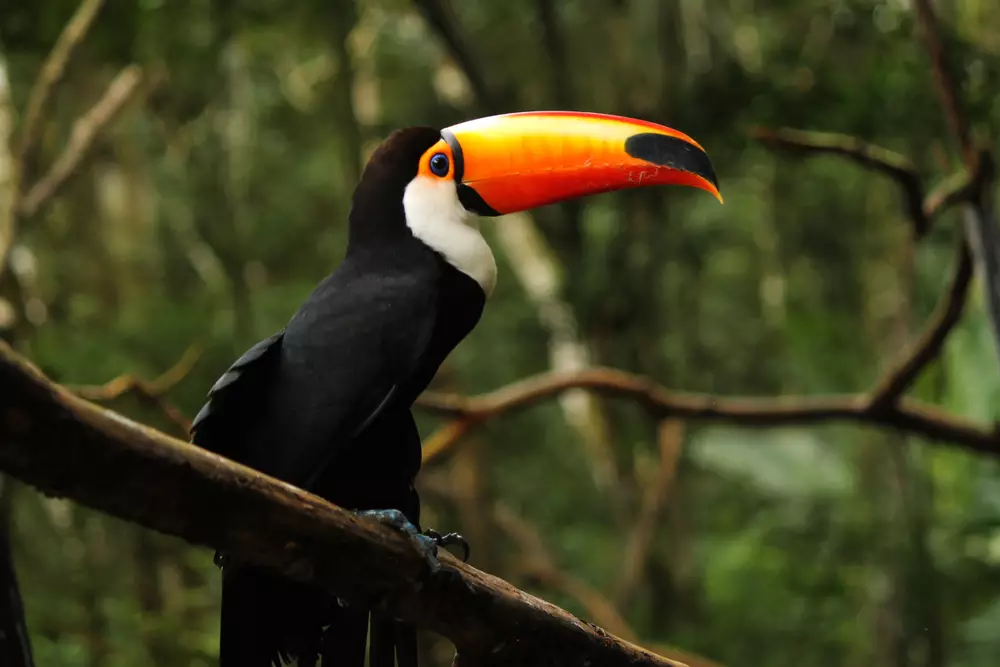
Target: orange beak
<point>514,162</point>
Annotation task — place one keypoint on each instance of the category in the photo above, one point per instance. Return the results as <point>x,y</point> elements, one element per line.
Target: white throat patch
<point>436,216</point>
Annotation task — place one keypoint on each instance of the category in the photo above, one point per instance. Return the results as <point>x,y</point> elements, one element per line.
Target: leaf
<point>787,463</point>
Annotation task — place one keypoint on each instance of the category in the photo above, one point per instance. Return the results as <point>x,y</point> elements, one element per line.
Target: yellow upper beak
<point>514,162</point>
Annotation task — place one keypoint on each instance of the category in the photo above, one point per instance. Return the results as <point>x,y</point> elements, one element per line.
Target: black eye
<point>439,164</point>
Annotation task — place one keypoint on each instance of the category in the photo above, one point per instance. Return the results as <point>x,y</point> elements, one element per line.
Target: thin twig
<point>670,438</point>
<point>892,164</point>
<point>866,154</point>
<point>948,89</point>
<point>443,439</point>
<point>537,562</point>
<point>85,131</point>
<point>156,387</point>
<point>52,72</point>
<point>955,189</point>
<point>150,392</point>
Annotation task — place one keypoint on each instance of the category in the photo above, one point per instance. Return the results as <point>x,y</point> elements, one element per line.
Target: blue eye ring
<point>439,164</point>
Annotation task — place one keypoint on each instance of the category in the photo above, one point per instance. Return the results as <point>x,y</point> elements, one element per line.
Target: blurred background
<point>219,197</point>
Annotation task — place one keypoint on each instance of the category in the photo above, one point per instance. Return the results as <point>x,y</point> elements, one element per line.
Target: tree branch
<point>16,206</point>
<point>670,438</point>
<point>66,446</point>
<point>52,72</point>
<point>979,213</point>
<point>953,190</point>
<point>150,392</point>
<point>943,75</point>
<point>905,371</point>
<point>876,158</point>
<point>973,190</point>
<point>85,131</point>
<point>920,208</point>
<point>907,415</point>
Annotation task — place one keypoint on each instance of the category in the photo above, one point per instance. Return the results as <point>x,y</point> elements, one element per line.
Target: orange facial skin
<point>424,168</point>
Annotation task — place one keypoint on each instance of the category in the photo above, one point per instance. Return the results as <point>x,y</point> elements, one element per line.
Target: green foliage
<point>221,197</point>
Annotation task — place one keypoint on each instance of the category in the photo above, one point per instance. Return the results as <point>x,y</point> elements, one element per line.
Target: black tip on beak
<point>672,153</point>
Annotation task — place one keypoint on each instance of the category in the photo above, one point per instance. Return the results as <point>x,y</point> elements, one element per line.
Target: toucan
<point>325,403</point>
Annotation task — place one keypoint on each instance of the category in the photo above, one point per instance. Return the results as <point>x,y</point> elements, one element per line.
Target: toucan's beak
<point>514,162</point>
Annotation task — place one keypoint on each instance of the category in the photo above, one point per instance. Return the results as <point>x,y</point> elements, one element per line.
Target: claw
<point>450,539</point>
<point>425,545</point>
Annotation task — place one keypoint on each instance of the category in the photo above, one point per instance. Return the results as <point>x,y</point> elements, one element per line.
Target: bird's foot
<point>427,546</point>
<point>450,539</point>
<point>427,542</point>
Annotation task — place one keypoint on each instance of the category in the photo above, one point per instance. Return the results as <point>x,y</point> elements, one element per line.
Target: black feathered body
<point>325,405</point>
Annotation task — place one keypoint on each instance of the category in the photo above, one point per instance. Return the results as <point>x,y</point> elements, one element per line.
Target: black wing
<point>241,389</point>
<point>294,401</point>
